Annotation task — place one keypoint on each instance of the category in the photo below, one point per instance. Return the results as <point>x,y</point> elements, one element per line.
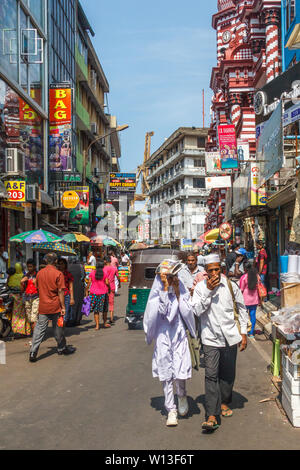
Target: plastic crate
<point>293,400</point>
<point>293,415</point>
<point>293,385</point>
<point>292,369</point>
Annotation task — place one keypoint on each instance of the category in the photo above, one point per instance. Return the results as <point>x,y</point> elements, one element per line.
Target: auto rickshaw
<point>144,264</point>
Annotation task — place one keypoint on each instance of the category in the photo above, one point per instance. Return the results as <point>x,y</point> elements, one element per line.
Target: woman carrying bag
<point>249,285</point>
<point>97,288</point>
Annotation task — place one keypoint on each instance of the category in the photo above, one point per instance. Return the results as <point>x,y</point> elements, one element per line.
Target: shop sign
<point>228,146</point>
<point>270,154</point>
<point>257,194</point>
<point>213,163</point>
<point>218,182</point>
<point>122,182</point>
<point>13,206</point>
<point>243,151</point>
<point>186,244</point>
<point>241,191</point>
<point>225,231</point>
<point>291,115</point>
<point>60,135</point>
<point>80,215</point>
<point>16,191</point>
<point>70,199</point>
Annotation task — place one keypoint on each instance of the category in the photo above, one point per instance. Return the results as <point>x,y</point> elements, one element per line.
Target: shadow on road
<point>158,404</point>
<point>238,400</point>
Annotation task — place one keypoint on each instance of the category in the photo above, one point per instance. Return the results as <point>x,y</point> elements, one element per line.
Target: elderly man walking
<point>50,285</point>
<point>213,301</point>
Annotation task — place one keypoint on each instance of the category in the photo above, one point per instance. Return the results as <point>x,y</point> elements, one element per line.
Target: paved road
<point>104,397</point>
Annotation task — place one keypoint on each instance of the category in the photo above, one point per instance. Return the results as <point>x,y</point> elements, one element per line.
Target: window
<point>290,12</point>
<point>150,274</point>
<point>199,183</point>
<point>201,142</point>
<point>199,162</point>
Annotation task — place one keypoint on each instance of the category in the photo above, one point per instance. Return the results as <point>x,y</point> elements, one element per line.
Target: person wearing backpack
<point>249,288</point>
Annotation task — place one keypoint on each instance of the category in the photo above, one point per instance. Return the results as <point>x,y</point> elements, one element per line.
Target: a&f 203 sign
<point>16,191</point>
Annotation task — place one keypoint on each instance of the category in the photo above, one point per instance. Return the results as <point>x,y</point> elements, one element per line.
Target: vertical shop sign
<point>258,194</point>
<point>228,146</point>
<point>60,119</point>
<point>81,214</point>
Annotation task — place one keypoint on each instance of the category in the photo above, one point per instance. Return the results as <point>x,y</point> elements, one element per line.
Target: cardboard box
<point>290,294</point>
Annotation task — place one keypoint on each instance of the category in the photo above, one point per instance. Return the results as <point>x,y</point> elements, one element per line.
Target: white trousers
<point>169,392</point>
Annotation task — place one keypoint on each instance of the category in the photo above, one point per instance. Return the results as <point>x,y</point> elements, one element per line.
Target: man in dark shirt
<point>50,284</point>
<point>231,257</point>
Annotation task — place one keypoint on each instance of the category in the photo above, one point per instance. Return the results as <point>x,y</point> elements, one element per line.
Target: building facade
<point>178,194</point>
<point>23,107</point>
<point>248,56</point>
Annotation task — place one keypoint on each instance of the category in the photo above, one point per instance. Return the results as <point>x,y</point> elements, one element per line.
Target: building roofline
<point>83,20</point>
<point>180,132</point>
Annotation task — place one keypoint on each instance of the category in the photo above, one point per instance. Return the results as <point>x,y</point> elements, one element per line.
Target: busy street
<point>104,397</point>
<point>149,227</point>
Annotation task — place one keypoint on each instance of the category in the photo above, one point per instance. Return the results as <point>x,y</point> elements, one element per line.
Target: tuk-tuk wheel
<point>131,326</point>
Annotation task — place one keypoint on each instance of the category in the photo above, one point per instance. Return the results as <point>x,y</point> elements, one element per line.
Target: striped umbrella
<point>54,247</point>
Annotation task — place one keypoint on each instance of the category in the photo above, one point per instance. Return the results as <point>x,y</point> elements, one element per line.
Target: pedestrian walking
<point>97,289</point>
<point>213,302</point>
<point>249,288</point>
<point>51,286</point>
<point>261,261</point>
<point>191,270</point>
<point>112,274</point>
<point>3,265</point>
<point>237,269</point>
<point>167,310</point>
<point>78,273</point>
<point>30,293</point>
<point>113,259</point>
<point>91,260</point>
<point>69,292</point>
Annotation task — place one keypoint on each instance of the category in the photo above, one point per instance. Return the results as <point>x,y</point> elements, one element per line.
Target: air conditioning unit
<point>94,128</point>
<point>14,161</point>
<point>32,193</point>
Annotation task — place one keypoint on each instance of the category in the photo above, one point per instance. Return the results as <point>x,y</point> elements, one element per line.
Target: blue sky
<point>157,57</point>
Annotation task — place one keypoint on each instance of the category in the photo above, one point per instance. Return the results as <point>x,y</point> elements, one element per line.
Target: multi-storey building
<point>248,56</point>
<point>23,106</point>
<point>177,186</point>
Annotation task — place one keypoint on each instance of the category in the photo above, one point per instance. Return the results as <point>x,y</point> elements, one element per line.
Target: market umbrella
<point>138,246</point>
<point>35,236</point>
<point>75,237</point>
<point>55,247</point>
<point>109,242</point>
<point>210,236</point>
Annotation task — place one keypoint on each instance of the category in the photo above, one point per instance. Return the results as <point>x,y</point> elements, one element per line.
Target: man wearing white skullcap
<point>213,303</point>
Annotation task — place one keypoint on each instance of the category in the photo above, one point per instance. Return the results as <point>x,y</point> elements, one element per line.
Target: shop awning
<point>282,197</point>
<point>45,198</point>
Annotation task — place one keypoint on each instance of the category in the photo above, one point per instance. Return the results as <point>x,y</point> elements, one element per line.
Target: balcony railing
<point>81,63</point>
<point>82,113</point>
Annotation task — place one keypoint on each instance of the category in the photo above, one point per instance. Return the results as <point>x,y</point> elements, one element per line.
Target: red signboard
<point>60,106</point>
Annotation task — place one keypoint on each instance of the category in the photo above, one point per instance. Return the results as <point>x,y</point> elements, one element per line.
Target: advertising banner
<point>213,163</point>
<point>241,191</point>
<point>16,191</point>
<point>80,215</point>
<point>291,115</point>
<point>270,146</point>
<point>60,120</point>
<point>258,194</point>
<point>243,151</point>
<point>122,183</point>
<point>218,182</point>
<point>228,146</point>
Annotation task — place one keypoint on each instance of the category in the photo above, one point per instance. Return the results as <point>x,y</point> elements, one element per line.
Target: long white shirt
<point>215,307</point>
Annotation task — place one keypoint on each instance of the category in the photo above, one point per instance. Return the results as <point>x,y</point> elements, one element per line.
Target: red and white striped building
<point>248,56</point>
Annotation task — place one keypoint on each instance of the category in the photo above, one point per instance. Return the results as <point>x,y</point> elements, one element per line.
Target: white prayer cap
<point>213,258</point>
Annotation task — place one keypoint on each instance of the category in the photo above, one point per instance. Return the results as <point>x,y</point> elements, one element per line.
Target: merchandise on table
<point>123,273</point>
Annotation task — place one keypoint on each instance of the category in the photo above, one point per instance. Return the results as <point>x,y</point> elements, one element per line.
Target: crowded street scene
<point>149,280</point>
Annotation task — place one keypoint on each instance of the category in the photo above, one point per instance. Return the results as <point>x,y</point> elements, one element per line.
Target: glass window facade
<point>21,127</point>
<point>22,46</point>
<point>62,29</point>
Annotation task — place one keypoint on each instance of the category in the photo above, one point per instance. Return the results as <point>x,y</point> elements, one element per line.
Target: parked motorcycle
<point>6,305</point>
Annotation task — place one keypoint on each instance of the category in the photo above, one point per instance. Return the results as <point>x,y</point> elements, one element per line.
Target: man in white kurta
<point>213,302</point>
<point>167,310</point>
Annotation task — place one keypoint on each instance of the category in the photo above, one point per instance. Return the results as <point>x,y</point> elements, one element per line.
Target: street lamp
<point>85,152</point>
